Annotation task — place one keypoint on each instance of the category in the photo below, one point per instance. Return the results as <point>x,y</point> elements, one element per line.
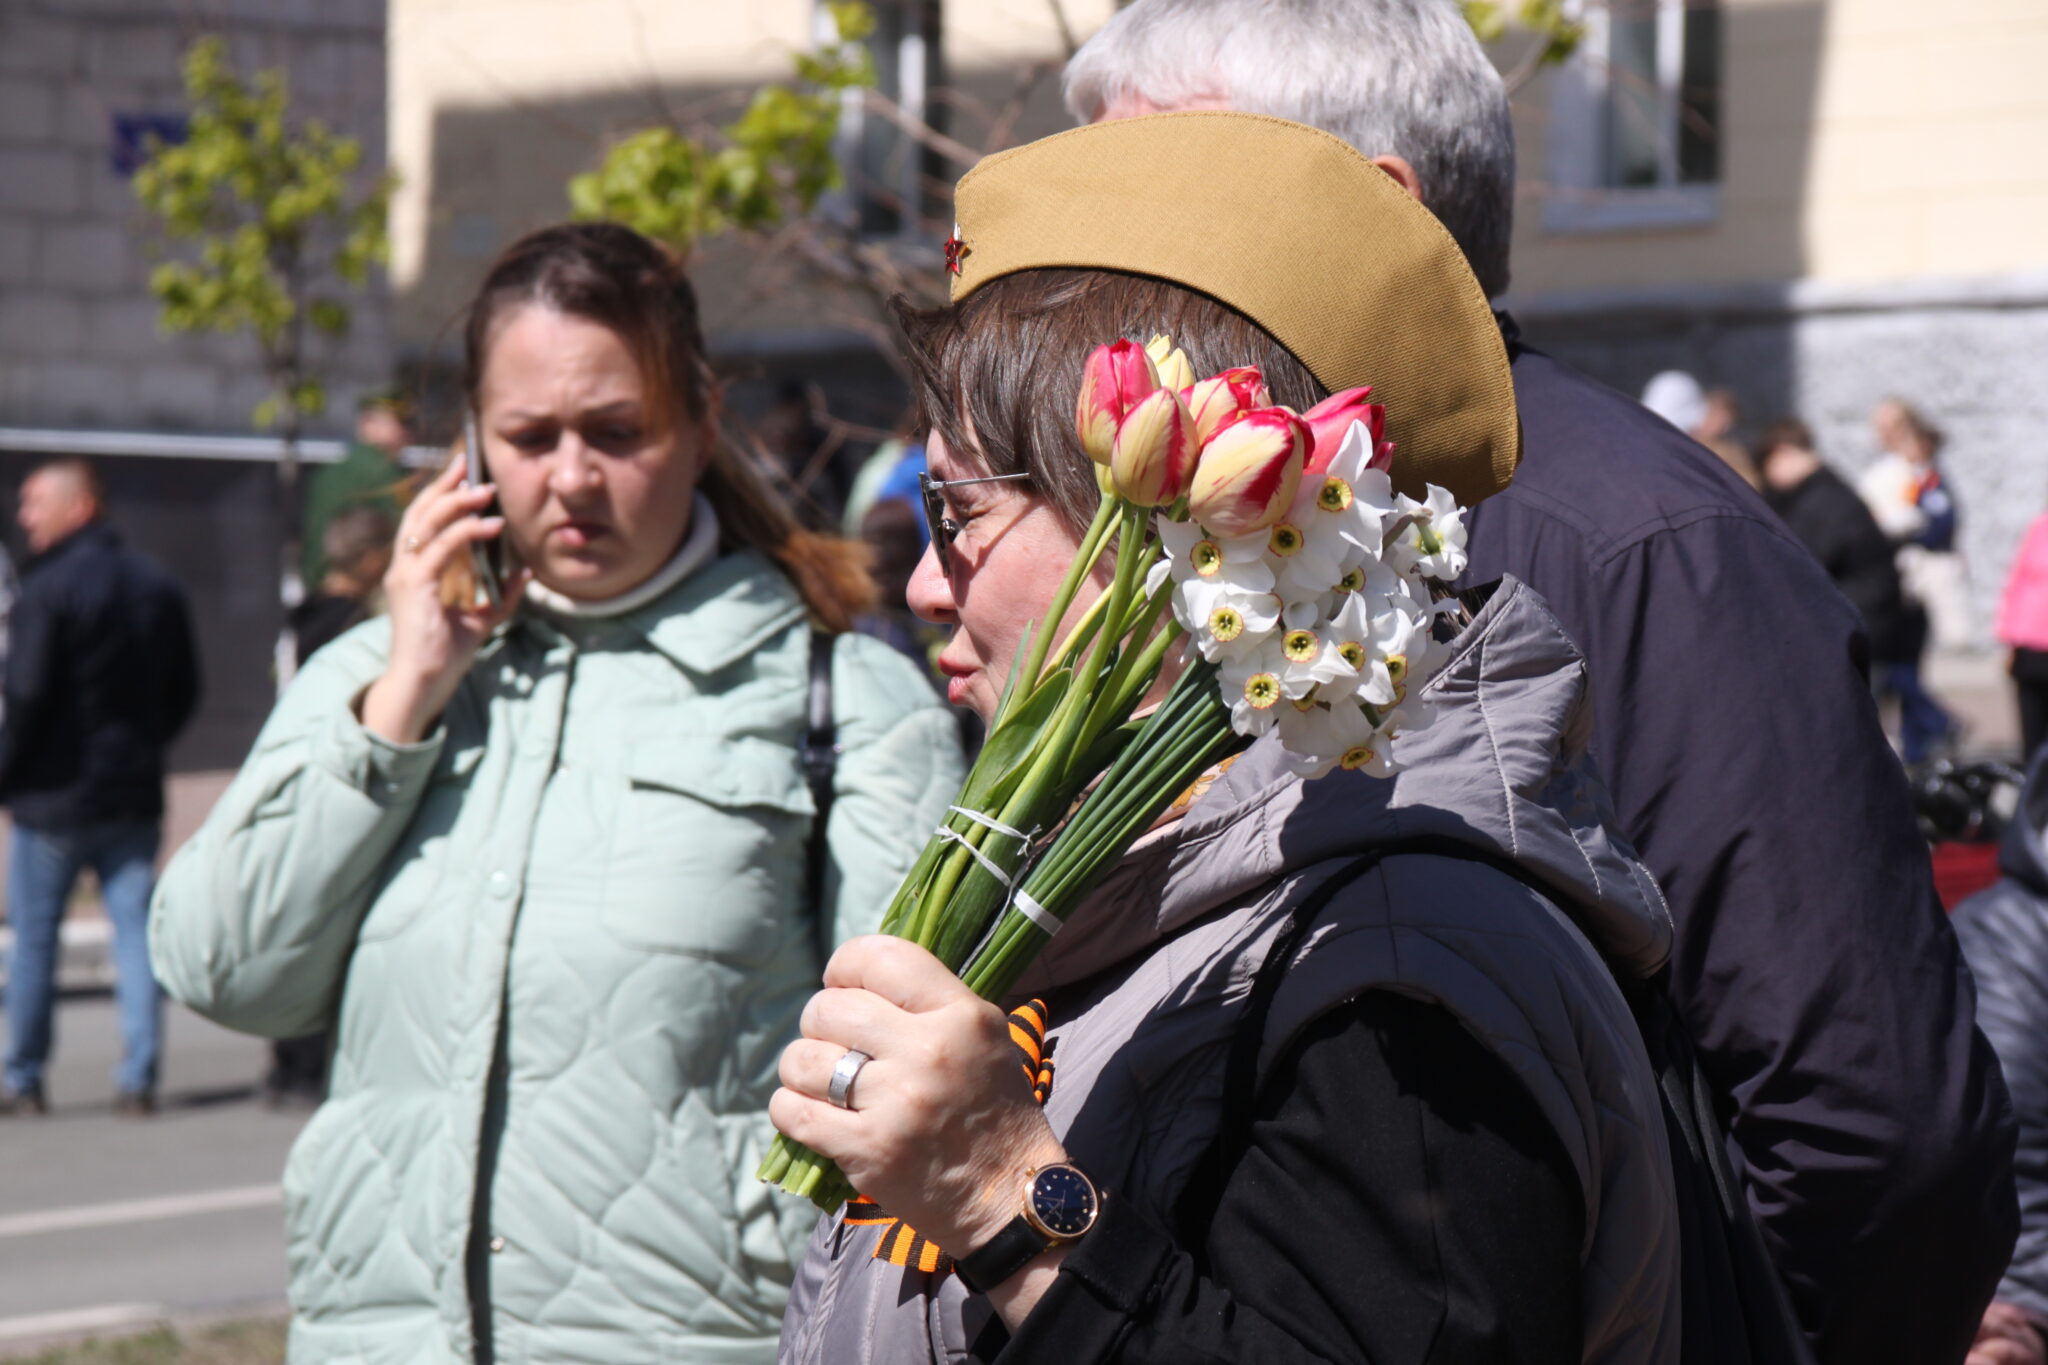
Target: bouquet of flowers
<point>1262,553</point>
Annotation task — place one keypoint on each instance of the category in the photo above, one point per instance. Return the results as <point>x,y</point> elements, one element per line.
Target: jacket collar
<point>95,534</point>
<point>715,617</point>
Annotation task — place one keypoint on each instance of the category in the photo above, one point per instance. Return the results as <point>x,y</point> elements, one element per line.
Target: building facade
<point>84,369</point>
<point>495,104</point>
<point>1818,205</point>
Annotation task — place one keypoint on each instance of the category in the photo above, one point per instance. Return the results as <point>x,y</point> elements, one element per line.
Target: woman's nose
<point>575,468</point>
<point>930,593</point>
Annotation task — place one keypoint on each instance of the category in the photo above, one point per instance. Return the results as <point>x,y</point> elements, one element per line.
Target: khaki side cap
<point>1293,228</point>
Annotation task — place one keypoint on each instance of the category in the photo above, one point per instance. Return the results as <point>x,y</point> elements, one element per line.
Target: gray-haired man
<point>1814,965</point>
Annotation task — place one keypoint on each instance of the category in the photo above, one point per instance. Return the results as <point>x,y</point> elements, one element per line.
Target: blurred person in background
<point>1814,965</point>
<point>1916,508</point>
<point>2004,933</point>
<point>1717,432</point>
<point>1917,513</point>
<point>1823,511</point>
<point>369,474</point>
<point>895,533</point>
<point>1708,416</point>
<point>2023,626</point>
<point>554,870</point>
<point>1833,522</point>
<point>356,548</point>
<point>102,673</point>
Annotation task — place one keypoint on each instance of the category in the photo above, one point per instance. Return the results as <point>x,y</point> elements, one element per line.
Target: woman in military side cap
<point>1324,1071</point>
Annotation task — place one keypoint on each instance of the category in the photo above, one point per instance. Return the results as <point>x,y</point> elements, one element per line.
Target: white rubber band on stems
<point>989,822</point>
<point>988,864</point>
<point>1036,913</point>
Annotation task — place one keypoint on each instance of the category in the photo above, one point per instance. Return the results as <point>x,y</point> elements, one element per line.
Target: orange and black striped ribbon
<point>900,1243</point>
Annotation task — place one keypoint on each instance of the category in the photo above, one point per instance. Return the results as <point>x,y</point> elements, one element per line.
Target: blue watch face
<point>1063,1201</point>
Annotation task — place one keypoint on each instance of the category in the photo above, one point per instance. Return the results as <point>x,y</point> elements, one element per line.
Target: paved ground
<point>107,1223</point>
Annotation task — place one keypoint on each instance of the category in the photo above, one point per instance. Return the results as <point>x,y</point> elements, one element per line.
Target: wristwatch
<point>1060,1206</point>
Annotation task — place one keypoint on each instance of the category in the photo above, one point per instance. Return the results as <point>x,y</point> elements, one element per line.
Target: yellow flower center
<point>1357,756</point>
<point>1262,690</point>
<point>1397,668</point>
<point>1334,496</point>
<point>1207,557</point>
<point>1352,582</point>
<point>1300,646</point>
<point>1285,541</point>
<point>1353,653</point>
<point>1225,624</point>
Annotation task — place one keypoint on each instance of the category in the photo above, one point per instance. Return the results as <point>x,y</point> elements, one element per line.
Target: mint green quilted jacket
<point>562,942</point>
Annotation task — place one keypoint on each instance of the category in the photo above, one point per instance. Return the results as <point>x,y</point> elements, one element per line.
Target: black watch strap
<point>1002,1256</point>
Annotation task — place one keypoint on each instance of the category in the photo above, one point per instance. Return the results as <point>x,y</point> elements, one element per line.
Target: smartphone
<point>487,557</point>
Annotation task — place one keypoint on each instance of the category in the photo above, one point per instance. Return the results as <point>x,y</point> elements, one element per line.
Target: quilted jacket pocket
<point>707,850</point>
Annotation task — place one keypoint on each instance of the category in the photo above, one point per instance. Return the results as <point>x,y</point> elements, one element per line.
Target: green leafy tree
<point>1556,33</point>
<point>753,174</point>
<point>278,222</point>
<point>279,214</point>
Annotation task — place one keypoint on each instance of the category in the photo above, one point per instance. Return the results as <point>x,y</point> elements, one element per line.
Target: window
<point>894,181</point>
<point>1637,118</point>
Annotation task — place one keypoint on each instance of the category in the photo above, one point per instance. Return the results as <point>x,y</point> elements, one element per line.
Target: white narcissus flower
<point>1432,545</point>
<point>1238,561</point>
<point>1223,588</point>
<point>1319,734</point>
<point>1353,638</point>
<point>1226,622</point>
<point>1253,687</point>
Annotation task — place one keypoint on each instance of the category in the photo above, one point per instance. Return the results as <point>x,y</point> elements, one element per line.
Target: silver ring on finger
<point>844,1073</point>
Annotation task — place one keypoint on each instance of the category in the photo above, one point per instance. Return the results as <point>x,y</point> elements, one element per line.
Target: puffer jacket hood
<point>1502,768</point>
<point>2023,853</point>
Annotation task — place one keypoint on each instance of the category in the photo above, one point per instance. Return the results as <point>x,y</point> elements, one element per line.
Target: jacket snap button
<point>501,885</point>
<point>497,1244</point>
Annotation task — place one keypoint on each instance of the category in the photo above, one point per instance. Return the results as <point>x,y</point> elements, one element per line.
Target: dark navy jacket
<point>101,675</point>
<point>2004,931</point>
<point>1735,728</point>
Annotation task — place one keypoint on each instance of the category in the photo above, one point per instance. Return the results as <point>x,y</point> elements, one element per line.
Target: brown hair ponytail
<point>619,279</point>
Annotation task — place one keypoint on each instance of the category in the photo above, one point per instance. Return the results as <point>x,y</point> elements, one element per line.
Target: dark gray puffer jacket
<point>1148,983</point>
<point>2004,933</point>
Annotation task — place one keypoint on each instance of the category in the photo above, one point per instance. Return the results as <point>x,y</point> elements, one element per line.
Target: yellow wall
<point>1863,140</point>
<point>494,104</point>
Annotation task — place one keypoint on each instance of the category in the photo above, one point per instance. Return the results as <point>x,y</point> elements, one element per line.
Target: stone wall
<point>1968,355</point>
<point>78,340</point>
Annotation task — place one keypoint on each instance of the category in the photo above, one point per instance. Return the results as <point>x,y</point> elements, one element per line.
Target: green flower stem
<point>1189,733</point>
<point>950,902</point>
<point>1077,573</point>
<point>1137,664</point>
<point>1082,635</point>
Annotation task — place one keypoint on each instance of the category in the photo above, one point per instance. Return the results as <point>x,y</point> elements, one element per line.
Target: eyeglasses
<point>942,527</point>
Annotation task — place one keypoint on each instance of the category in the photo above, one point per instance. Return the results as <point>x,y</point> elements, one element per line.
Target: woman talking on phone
<point>559,863</point>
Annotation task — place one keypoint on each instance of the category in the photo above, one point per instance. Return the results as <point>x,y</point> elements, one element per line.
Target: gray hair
<point>1404,78</point>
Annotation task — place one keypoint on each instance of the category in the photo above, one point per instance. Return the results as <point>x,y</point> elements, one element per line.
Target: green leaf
<point>271,211</point>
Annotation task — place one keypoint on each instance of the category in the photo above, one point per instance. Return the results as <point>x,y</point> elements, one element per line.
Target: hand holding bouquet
<point>1274,544</point>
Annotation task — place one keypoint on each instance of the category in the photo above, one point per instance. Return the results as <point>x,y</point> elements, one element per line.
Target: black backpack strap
<point>818,752</point>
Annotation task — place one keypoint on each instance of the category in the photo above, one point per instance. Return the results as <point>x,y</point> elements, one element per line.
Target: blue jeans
<point>43,865</point>
<point>1923,724</point>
